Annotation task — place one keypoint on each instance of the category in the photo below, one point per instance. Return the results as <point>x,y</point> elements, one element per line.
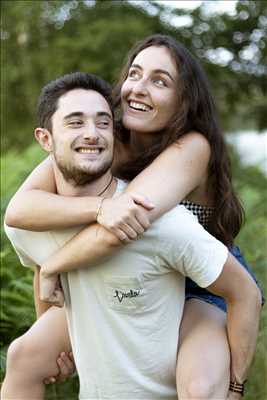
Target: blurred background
<point>41,40</point>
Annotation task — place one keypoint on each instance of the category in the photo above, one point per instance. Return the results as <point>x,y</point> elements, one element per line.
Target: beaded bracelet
<point>237,387</point>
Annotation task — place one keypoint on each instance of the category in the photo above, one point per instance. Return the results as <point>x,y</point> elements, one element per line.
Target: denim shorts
<point>193,291</point>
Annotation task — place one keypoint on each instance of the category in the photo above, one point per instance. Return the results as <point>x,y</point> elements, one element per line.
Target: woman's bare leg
<point>203,364</point>
<point>32,357</point>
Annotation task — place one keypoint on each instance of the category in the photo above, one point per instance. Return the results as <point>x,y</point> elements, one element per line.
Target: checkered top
<point>203,213</point>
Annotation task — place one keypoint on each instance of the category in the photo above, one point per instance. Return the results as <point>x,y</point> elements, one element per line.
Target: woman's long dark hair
<point>196,112</point>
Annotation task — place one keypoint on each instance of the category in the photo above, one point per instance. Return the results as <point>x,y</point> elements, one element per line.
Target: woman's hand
<point>66,367</point>
<point>125,216</point>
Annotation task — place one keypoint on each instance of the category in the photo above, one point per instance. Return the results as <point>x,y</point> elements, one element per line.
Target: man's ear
<point>44,137</point>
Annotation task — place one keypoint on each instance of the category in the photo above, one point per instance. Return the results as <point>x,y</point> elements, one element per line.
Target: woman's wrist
<point>99,208</point>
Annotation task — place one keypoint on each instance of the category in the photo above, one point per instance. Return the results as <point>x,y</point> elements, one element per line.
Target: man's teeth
<point>139,106</point>
<point>83,150</point>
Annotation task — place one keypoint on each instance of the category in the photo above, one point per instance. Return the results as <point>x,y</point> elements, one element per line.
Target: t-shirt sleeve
<point>12,234</point>
<point>32,248</point>
<point>191,250</point>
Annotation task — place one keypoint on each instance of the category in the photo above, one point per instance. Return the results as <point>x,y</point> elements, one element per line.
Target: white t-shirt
<point>124,314</point>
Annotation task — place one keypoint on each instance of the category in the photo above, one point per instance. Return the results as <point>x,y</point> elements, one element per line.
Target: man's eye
<point>75,123</point>
<point>103,124</point>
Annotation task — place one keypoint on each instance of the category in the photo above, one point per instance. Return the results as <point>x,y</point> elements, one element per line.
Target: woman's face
<point>149,93</point>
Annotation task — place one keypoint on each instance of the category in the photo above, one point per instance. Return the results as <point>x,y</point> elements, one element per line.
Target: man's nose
<point>90,133</point>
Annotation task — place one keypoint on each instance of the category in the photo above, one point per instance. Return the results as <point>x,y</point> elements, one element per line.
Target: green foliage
<point>42,40</point>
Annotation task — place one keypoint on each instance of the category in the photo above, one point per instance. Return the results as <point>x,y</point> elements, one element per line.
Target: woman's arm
<point>174,174</point>
<point>37,207</point>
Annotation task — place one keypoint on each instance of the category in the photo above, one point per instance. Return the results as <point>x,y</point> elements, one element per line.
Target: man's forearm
<point>40,306</point>
<point>242,328</point>
<point>88,247</point>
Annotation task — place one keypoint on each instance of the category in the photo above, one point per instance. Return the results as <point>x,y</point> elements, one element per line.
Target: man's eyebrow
<point>104,114</point>
<point>157,71</point>
<point>81,114</point>
<point>74,114</point>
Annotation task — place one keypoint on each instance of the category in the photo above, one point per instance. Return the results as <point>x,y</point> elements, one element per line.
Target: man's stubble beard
<point>79,176</point>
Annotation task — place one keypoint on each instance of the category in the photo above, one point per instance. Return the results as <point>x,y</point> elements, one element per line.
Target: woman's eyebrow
<point>163,71</point>
<point>136,66</point>
<point>157,71</point>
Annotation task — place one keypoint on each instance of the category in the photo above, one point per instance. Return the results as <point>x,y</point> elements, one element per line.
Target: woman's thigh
<point>38,349</point>
<point>203,361</point>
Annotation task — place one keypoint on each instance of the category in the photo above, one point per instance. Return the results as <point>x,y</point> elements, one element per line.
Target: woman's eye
<point>160,82</point>
<point>133,74</point>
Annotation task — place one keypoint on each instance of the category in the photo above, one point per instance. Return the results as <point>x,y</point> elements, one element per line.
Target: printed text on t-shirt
<point>122,295</point>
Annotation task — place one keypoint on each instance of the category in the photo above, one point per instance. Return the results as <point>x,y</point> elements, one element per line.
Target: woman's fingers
<point>134,226</point>
<point>142,219</point>
<point>142,201</point>
<point>123,237</point>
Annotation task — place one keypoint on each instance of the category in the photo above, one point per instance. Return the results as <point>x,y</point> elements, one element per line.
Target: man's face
<point>82,136</point>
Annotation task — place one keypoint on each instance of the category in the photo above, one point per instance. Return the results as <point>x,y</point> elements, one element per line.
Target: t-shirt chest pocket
<point>125,293</point>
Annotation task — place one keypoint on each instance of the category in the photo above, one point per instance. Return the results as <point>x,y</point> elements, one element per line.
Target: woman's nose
<point>140,87</point>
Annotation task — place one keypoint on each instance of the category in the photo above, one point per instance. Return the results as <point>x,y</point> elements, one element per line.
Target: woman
<point>168,124</point>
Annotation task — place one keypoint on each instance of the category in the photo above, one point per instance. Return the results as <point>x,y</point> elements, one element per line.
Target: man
<point>124,314</point>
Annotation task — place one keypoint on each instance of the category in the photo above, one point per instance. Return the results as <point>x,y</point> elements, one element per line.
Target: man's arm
<point>40,306</point>
<point>94,243</point>
<point>243,300</point>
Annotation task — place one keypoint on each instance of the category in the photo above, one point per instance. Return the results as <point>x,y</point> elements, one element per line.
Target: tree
<point>44,39</point>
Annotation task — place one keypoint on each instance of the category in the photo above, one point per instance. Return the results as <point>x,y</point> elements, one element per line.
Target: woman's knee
<point>28,356</point>
<point>22,351</point>
<point>16,352</point>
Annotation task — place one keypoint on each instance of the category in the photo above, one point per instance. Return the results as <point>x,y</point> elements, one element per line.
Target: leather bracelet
<point>237,387</point>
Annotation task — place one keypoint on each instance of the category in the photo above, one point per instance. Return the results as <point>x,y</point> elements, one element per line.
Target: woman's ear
<point>44,137</point>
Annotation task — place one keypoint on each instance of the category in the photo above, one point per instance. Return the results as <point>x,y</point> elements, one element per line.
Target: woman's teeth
<point>139,106</point>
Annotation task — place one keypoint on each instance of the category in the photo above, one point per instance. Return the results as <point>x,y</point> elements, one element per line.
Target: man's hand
<point>50,289</point>
<point>66,367</point>
<point>125,215</point>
